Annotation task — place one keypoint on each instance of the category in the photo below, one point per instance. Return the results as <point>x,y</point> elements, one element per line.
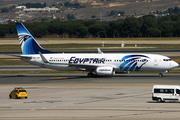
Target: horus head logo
<point>23,37</point>
<point>133,62</point>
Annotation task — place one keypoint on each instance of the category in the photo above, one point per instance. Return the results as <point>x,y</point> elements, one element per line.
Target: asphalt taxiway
<point>77,97</point>
<point>83,79</point>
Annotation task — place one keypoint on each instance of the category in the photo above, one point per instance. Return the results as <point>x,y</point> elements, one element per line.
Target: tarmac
<point>76,97</point>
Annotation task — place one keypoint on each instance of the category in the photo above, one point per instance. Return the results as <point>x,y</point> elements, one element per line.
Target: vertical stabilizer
<point>27,41</point>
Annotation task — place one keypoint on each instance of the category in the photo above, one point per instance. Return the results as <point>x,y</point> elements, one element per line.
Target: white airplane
<point>101,63</point>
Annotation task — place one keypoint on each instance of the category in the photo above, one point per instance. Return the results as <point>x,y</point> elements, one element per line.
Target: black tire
<point>10,96</point>
<point>25,97</point>
<point>90,74</point>
<point>17,97</point>
<point>159,100</point>
<point>160,75</point>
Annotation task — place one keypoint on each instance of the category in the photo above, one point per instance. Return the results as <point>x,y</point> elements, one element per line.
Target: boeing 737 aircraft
<point>100,63</point>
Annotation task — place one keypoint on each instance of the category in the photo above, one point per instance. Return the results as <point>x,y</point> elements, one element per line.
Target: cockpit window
<point>177,91</point>
<point>166,59</point>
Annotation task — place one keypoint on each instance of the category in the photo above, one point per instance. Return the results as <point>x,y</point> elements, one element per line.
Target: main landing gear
<point>90,74</point>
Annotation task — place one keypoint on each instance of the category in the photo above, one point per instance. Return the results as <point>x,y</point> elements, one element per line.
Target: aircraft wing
<point>86,66</point>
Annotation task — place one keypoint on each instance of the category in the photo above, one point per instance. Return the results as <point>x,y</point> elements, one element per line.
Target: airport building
<point>40,10</point>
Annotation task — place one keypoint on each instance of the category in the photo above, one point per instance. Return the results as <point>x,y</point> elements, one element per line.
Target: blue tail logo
<point>27,42</point>
<point>23,38</point>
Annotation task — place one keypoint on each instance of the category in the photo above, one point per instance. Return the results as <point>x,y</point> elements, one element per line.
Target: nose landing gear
<point>160,75</point>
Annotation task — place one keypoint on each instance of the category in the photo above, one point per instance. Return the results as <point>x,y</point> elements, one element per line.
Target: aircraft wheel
<point>90,74</point>
<point>160,75</point>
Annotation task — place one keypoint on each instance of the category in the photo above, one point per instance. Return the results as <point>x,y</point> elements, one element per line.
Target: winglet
<point>99,51</point>
<point>43,58</point>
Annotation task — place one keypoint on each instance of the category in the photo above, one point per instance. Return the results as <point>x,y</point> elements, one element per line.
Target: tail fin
<point>27,41</point>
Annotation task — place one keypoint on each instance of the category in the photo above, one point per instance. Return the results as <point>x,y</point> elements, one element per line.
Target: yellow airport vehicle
<point>18,92</point>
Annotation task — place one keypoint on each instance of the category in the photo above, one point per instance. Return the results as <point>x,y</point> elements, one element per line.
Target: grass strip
<point>61,47</point>
<point>143,38</point>
<point>13,62</point>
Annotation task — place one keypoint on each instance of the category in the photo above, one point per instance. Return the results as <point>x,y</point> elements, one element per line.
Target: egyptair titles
<point>74,60</point>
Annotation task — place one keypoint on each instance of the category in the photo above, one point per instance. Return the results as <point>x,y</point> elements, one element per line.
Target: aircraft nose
<point>174,64</point>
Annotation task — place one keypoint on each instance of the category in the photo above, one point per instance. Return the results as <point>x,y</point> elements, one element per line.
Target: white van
<point>160,93</point>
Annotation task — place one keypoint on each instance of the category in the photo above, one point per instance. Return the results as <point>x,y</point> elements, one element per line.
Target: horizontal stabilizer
<point>20,56</point>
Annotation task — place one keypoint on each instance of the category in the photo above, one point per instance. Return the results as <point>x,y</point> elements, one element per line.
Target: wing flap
<point>89,66</point>
<point>84,66</point>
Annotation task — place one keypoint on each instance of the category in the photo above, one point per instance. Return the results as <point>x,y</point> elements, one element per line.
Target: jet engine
<point>105,71</point>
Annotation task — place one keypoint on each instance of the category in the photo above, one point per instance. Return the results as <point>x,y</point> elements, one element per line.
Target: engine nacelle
<point>105,71</point>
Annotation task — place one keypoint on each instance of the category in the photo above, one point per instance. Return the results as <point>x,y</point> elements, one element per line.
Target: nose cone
<point>174,64</point>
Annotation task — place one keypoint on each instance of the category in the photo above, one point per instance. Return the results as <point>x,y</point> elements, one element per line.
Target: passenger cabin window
<point>163,90</point>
